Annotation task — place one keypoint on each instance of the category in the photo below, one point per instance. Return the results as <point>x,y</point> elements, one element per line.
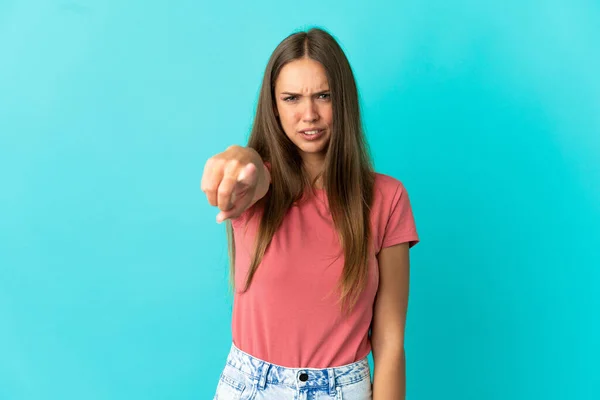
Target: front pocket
<point>228,389</point>
<point>361,390</point>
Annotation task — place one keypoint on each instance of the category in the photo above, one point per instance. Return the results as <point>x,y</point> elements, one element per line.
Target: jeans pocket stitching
<point>233,383</point>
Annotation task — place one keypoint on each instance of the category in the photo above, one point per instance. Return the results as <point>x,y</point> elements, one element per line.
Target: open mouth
<point>313,134</point>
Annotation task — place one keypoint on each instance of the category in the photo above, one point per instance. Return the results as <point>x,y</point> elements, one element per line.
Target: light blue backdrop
<point>113,271</point>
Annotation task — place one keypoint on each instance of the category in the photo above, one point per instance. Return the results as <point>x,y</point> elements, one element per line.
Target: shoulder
<point>389,195</point>
<point>392,212</point>
<point>387,186</point>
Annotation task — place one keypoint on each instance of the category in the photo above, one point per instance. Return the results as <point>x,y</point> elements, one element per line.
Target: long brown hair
<point>348,175</point>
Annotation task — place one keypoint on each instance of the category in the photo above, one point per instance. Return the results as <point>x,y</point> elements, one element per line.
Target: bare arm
<point>264,182</point>
<point>389,318</point>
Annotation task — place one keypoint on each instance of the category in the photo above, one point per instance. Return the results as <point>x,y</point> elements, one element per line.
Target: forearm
<point>389,376</point>
<point>263,184</point>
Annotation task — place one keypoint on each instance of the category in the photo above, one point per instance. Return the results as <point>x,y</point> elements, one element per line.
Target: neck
<point>314,166</point>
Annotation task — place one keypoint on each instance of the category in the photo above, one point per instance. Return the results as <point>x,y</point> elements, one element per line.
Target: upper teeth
<point>311,132</point>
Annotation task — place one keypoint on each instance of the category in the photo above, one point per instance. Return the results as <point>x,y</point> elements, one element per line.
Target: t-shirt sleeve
<point>400,227</point>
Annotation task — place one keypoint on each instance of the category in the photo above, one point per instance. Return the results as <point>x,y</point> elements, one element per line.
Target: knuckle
<point>207,189</point>
<point>209,163</point>
<point>233,165</point>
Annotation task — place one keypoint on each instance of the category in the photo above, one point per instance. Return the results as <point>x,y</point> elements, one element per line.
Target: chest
<point>304,259</point>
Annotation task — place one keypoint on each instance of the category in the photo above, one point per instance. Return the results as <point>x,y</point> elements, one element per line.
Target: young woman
<point>319,242</point>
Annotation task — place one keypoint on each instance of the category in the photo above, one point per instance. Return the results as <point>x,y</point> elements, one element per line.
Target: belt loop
<point>331,376</point>
<point>262,375</point>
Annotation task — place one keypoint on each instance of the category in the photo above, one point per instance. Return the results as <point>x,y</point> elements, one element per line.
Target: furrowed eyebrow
<point>298,94</point>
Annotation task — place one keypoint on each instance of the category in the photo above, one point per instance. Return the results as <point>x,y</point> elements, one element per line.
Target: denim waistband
<point>264,372</point>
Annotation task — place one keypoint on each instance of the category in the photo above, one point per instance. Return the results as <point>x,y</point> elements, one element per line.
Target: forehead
<point>302,76</point>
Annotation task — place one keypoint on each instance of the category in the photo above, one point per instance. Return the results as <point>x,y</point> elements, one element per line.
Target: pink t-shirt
<point>289,315</point>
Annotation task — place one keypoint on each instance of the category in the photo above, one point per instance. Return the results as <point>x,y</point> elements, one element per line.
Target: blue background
<point>113,272</point>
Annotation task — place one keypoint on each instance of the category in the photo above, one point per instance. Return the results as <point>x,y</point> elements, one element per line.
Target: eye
<point>289,98</point>
<point>324,96</point>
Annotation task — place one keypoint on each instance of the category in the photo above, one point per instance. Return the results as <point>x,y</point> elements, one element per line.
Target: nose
<point>310,113</point>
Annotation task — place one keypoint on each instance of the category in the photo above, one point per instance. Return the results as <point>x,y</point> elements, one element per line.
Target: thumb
<point>245,179</point>
<point>246,176</point>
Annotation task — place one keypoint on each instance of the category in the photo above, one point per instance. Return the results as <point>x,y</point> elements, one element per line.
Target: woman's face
<point>304,107</point>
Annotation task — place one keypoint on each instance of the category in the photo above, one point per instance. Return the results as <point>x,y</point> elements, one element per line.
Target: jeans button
<point>303,377</point>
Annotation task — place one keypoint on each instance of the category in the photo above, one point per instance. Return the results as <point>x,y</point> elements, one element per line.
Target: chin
<point>314,148</point>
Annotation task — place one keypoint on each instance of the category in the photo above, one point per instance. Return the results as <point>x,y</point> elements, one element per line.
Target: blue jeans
<point>248,378</point>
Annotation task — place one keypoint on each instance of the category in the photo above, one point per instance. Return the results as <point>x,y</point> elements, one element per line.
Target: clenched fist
<point>234,180</point>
